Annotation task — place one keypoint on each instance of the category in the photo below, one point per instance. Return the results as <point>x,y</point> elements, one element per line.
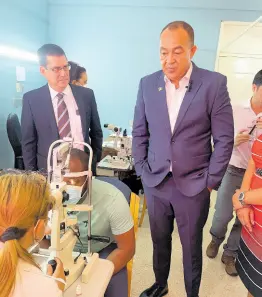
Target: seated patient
<point>110,217</point>
<point>25,201</point>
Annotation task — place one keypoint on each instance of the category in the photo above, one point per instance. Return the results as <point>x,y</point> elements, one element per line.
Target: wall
<point>117,41</point>
<point>23,25</point>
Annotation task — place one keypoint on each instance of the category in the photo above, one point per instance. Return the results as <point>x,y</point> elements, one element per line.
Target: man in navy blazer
<point>178,111</point>
<point>57,110</point>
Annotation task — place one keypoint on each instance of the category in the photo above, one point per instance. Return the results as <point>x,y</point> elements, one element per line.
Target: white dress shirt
<point>74,116</point>
<point>244,119</point>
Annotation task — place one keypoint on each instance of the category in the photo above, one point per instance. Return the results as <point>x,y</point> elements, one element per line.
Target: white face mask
<point>75,193</point>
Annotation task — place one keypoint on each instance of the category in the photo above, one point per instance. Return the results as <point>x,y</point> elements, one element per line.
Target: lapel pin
<point>160,89</point>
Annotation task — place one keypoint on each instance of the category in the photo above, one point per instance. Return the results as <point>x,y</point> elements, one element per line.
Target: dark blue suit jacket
<point>39,128</point>
<point>205,113</point>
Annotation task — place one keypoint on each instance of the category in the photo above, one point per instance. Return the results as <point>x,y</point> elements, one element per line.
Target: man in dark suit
<point>178,110</point>
<point>57,110</point>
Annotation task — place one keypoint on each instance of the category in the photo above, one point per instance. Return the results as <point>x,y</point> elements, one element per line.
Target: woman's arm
<point>245,187</point>
<point>253,197</point>
<point>245,214</point>
<point>125,250</point>
<point>248,176</point>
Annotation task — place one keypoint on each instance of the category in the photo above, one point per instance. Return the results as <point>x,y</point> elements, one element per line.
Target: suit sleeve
<point>29,136</point>
<point>140,133</point>
<point>95,133</point>
<point>222,127</point>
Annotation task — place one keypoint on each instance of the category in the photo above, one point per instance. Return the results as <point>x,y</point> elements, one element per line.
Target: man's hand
<point>246,217</point>
<point>209,189</point>
<point>236,204</point>
<point>242,137</point>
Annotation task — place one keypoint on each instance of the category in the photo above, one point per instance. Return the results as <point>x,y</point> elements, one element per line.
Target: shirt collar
<point>187,75</point>
<point>54,93</point>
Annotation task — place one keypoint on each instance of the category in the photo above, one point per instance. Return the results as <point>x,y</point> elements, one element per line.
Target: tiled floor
<point>215,282</point>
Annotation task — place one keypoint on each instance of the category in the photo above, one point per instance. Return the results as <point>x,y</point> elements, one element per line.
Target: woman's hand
<point>246,217</point>
<point>236,204</point>
<point>58,273</point>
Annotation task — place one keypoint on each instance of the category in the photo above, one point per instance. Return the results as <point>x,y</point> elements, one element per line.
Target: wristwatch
<point>241,198</point>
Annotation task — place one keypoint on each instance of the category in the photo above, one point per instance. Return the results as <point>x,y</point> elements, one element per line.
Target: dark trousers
<point>118,285</point>
<point>165,203</point>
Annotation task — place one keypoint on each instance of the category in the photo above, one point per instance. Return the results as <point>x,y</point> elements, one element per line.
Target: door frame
<point>224,54</point>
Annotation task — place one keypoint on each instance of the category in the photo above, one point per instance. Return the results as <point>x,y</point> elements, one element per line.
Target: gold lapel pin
<point>160,89</point>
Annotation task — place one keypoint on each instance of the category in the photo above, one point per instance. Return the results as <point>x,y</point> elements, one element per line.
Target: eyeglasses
<point>58,69</point>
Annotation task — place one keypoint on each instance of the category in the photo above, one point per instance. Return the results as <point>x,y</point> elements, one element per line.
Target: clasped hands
<point>244,212</point>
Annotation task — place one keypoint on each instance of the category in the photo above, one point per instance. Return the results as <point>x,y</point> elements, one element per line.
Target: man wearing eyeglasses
<point>57,110</point>
<point>248,126</point>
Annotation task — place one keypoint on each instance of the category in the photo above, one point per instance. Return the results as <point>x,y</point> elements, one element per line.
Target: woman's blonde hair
<point>24,198</point>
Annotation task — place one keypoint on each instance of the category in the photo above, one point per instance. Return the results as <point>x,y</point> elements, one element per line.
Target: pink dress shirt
<point>175,97</point>
<point>244,119</point>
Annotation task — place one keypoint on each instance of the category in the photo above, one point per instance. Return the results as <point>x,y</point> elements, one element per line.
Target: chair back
<point>14,134</point>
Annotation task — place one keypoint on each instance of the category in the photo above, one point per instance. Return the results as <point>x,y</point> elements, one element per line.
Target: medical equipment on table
<point>121,142</point>
<point>115,163</point>
<point>116,133</point>
<point>75,264</point>
<point>113,128</point>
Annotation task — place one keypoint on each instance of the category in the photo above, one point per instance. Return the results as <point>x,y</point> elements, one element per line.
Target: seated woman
<point>248,205</point>
<point>25,201</point>
<point>110,217</point>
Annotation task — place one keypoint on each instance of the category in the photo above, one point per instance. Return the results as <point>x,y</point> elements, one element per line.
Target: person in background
<point>178,110</point>
<point>245,117</point>
<point>81,77</point>
<point>57,110</point>
<point>25,201</point>
<point>111,218</point>
<point>72,72</point>
<point>78,75</point>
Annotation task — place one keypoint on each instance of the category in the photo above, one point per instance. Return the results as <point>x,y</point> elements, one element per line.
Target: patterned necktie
<point>63,122</point>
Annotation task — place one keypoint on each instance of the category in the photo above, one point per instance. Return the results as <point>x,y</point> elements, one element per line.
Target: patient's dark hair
<point>258,79</point>
<point>82,156</point>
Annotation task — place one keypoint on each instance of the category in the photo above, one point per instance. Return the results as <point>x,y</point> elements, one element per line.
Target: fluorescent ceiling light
<point>15,53</point>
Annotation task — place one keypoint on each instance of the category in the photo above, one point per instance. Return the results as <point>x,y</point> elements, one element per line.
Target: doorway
<point>239,57</point>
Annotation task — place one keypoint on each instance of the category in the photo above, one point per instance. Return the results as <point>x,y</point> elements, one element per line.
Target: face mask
<point>74,193</point>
